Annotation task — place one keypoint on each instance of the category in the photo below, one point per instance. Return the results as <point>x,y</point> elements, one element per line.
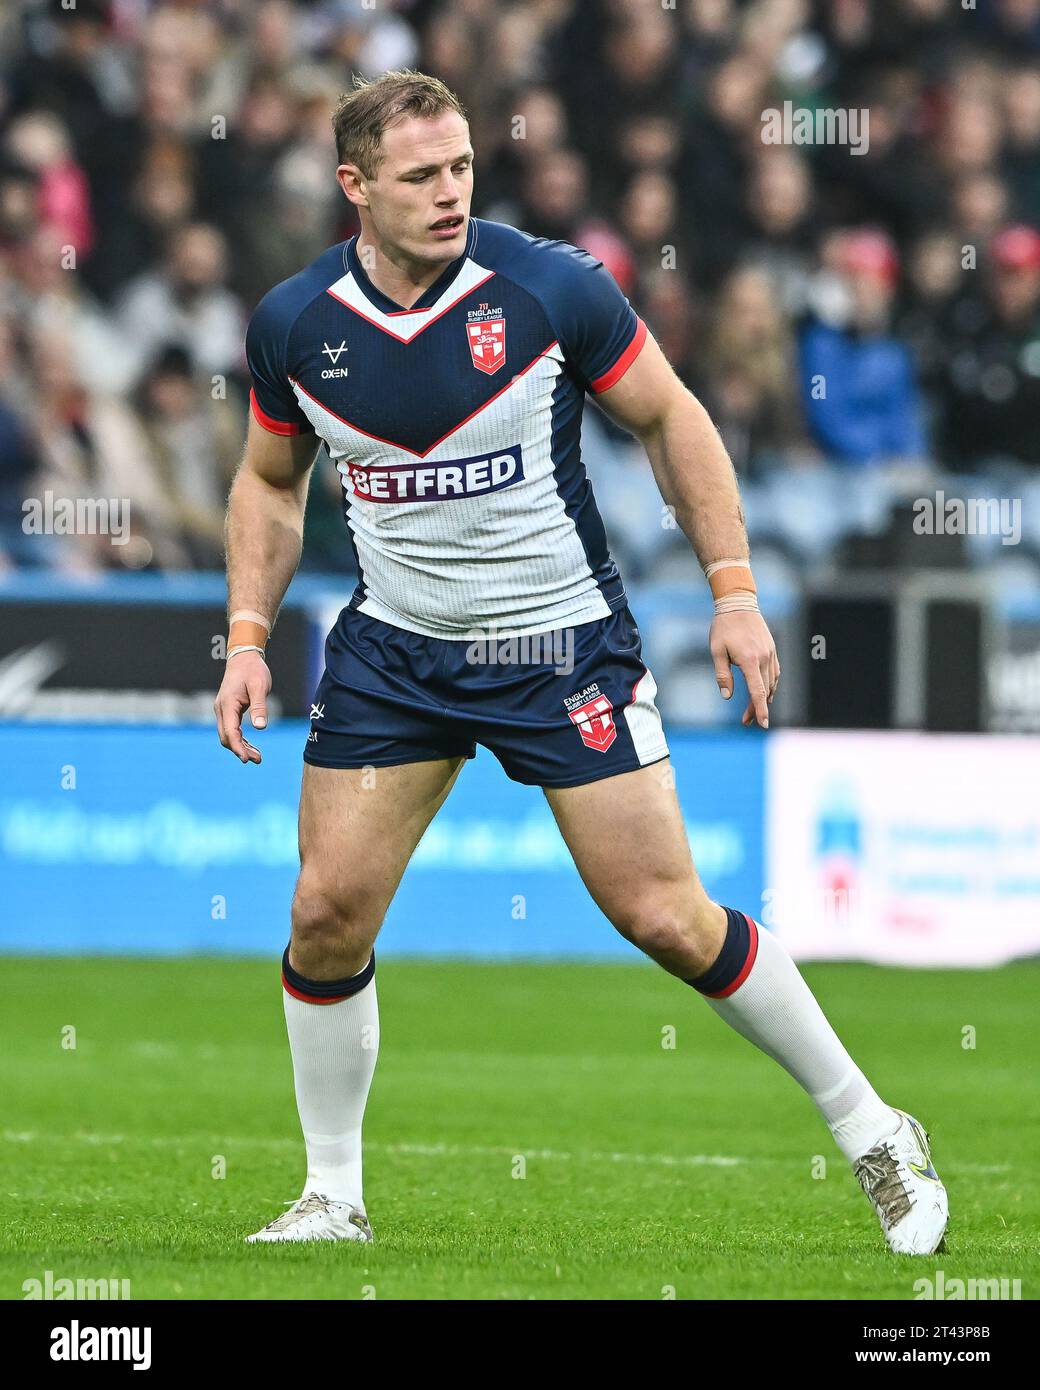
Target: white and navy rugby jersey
<point>455,426</point>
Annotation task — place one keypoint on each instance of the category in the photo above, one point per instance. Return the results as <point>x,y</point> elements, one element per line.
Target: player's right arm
<point>611,352</point>
<point>263,541</point>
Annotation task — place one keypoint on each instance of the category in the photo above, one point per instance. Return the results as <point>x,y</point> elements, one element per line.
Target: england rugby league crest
<point>594,720</point>
<point>486,333</point>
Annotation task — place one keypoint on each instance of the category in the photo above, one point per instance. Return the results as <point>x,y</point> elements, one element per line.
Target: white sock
<point>334,1049</point>
<point>774,1009</point>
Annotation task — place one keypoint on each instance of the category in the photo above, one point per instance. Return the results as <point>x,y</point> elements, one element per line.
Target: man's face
<point>419,200</point>
<point>1016,292</point>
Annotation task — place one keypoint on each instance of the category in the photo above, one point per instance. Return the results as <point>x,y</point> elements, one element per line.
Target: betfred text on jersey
<point>435,482</point>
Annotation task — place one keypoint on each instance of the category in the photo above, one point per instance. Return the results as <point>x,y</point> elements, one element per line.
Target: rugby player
<point>443,360</point>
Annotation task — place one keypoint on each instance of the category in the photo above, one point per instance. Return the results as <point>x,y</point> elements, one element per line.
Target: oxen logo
<point>594,720</point>
<point>487,343</point>
<point>334,354</point>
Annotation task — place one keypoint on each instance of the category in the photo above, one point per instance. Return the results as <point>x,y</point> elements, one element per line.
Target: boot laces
<point>301,1207</point>
<point>880,1177</point>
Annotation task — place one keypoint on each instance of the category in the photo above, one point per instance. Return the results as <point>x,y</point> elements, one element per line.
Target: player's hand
<point>742,639</point>
<point>246,685</point>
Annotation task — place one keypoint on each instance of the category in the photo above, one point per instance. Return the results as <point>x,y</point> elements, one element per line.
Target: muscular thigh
<point>359,827</point>
<point>628,840</point>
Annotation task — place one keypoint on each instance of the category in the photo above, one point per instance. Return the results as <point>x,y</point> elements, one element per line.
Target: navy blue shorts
<point>557,709</point>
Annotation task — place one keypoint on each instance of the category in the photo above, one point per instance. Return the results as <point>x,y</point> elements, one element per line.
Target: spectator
<point>649,217</point>
<point>39,142</point>
<point>990,388</point>
<point>196,441</point>
<point>782,237</point>
<point>51,295</point>
<point>533,125</point>
<point>750,383</point>
<point>713,169</point>
<point>980,207</point>
<point>187,303</point>
<point>161,200</point>
<point>1021,161</point>
<point>934,287</point>
<point>91,447</point>
<point>555,196</point>
<point>858,381</point>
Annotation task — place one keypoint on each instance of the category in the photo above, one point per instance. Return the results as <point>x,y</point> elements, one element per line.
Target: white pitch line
<point>591,1156</point>
<point>422,1150</point>
<point>10,1136</point>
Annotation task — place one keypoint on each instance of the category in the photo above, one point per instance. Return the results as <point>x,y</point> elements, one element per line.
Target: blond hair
<point>361,116</point>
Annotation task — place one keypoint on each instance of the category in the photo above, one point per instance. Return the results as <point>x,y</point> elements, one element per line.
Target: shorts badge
<point>594,720</point>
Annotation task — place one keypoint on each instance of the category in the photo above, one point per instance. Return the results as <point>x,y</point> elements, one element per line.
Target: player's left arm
<point>697,481</point>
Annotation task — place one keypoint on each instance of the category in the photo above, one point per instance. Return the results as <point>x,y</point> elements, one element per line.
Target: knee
<point>659,930</point>
<point>685,937</point>
<point>331,932</point>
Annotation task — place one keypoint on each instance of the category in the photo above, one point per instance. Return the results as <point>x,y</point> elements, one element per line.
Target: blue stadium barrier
<point>143,840</point>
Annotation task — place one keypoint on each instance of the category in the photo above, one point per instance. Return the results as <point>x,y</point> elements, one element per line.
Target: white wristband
<point>739,601</point>
<point>717,565</point>
<point>248,615</point>
<point>235,651</point>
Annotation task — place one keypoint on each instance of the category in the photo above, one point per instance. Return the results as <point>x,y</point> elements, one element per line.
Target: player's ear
<point>353,183</point>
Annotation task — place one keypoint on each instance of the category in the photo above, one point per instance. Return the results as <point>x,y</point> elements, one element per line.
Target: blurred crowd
<point>852,317</point>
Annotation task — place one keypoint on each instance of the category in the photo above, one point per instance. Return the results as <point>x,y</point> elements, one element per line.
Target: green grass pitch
<point>648,1171</point>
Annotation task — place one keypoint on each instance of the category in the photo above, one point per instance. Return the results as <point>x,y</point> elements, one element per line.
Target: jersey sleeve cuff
<point>269,423</point>
<point>614,374</point>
